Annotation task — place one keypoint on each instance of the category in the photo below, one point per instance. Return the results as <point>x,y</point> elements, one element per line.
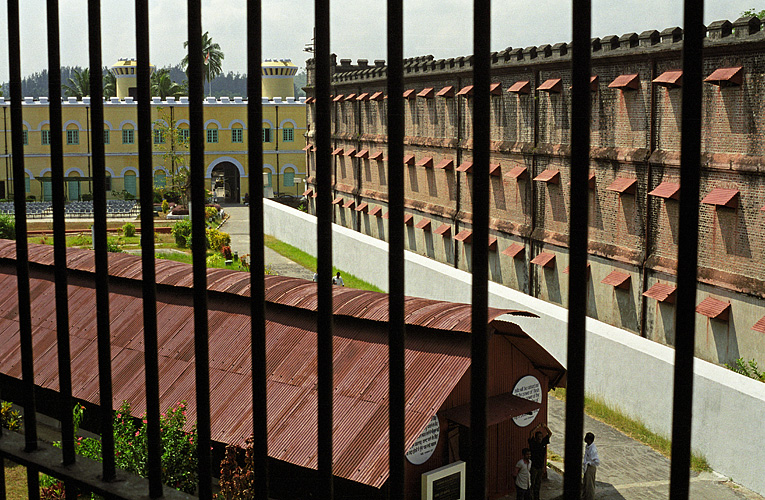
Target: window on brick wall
<point>107,136</point>
<point>212,135</point>
<point>288,134</point>
<point>128,136</point>
<point>45,137</point>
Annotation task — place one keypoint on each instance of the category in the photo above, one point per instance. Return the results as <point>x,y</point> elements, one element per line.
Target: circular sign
<point>423,448</point>
<point>529,388</point>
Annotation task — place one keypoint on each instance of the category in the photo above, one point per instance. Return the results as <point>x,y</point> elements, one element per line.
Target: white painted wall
<point>629,372</point>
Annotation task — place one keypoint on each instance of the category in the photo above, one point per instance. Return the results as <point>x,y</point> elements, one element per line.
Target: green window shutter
<point>269,180</point>
<point>27,185</point>
<point>130,184</point>
<point>266,135</point>
<point>159,180</point>
<point>107,136</point>
<point>289,179</point>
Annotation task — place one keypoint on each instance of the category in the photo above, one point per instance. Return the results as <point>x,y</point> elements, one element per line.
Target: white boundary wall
<point>629,372</point>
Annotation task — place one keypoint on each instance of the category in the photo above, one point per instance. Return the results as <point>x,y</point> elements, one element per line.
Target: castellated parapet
<point>636,90</point>
<point>648,43</point>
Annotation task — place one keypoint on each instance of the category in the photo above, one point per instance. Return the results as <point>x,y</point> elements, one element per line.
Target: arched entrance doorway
<point>225,182</point>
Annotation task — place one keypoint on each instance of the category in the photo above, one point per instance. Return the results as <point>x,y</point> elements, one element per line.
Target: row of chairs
<point>40,209</point>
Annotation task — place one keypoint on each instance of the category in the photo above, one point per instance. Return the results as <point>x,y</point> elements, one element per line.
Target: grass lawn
<point>15,481</point>
<point>599,410</point>
<point>309,262</point>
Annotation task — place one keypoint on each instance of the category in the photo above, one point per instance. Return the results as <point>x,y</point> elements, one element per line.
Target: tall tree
<point>78,84</point>
<point>753,12</point>
<point>162,85</point>
<point>211,54</point>
<point>110,84</point>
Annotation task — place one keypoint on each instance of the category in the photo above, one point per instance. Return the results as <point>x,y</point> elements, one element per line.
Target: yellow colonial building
<point>226,165</point>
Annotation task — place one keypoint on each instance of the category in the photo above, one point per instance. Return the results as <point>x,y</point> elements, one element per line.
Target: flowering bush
<point>178,448</point>
<point>211,213</point>
<point>9,418</point>
<point>226,251</point>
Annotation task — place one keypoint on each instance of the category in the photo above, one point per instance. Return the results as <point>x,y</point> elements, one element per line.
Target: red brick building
<point>636,93</point>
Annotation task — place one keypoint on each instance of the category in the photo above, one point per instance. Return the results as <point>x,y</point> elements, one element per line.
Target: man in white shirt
<point>523,476</point>
<point>590,465</point>
<point>338,280</point>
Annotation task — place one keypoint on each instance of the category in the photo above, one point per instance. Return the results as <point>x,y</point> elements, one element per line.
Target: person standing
<point>590,465</point>
<point>522,475</point>
<point>338,280</point>
<point>538,447</point>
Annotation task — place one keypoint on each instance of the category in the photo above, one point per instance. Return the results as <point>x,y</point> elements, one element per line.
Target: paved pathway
<point>238,226</point>
<point>629,470</point>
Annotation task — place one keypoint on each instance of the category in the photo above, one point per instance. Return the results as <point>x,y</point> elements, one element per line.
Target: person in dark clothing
<point>538,442</point>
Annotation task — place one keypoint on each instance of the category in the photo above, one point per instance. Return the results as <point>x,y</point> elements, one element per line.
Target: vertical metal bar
<point>257,287</point>
<point>59,235</point>
<point>396,325</point>
<point>102,258</point>
<point>324,254</point>
<point>22,249</point>
<point>480,252</point>
<point>687,248</point>
<point>146,178</point>
<point>578,231</point>
<point>199,245</point>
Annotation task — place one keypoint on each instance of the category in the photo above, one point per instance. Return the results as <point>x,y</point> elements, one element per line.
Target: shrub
<point>113,245</point>
<point>226,251</point>
<point>157,196</point>
<point>747,368</point>
<point>236,481</point>
<point>86,197</point>
<point>217,239</point>
<point>179,460</point>
<point>180,210</point>
<point>128,230</point>
<point>7,227</point>
<point>9,418</point>
<point>211,213</point>
<point>165,206</point>
<point>182,233</point>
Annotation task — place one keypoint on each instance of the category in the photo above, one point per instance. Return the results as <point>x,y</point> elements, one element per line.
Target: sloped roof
<point>437,346</point>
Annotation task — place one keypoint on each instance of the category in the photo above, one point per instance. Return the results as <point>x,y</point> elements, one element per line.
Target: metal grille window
<point>128,136</point>
<point>25,135</point>
<point>288,134</point>
<point>45,137</point>
<point>25,450</point>
<point>183,135</point>
<point>72,137</point>
<point>159,136</point>
<point>212,135</point>
<point>107,136</point>
<point>237,135</point>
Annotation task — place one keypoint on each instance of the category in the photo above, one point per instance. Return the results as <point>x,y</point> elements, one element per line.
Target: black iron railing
<point>80,473</point>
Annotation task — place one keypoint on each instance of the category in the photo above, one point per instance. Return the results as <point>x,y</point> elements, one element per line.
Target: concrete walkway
<point>629,470</point>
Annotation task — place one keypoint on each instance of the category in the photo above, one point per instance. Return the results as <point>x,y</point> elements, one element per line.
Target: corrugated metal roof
<point>447,91</point>
<point>663,292</point>
<point>436,363</point>
<point>617,279</point>
<point>553,85</point>
<point>544,259</point>
<point>515,250</point>
<point>350,152</point>
<point>714,308</point>
<point>498,409</point>
<point>409,94</point>
<point>465,236</point>
<point>408,159</point>
<point>447,164</point>
<point>623,185</point>
<point>376,211</point>
<point>670,79</point>
<point>443,230</point>
<point>426,93</point>
<point>426,161</point>
<point>550,175</point>
<point>521,87</point>
<point>466,90</point>
<point>568,270</point>
<point>722,197</point>
<point>364,153</point>
<point>465,166</point>
<point>666,190</point>
<point>625,82</point>
<point>731,76</point>
<point>376,156</point>
<point>518,172</point>
<point>424,224</point>
<point>363,207</point>
<point>495,169</point>
<point>760,325</point>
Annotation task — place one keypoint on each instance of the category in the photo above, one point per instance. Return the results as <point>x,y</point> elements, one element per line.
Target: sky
<point>442,28</point>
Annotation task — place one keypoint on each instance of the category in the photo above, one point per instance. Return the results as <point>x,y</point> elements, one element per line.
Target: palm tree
<point>163,86</point>
<point>110,84</point>
<point>79,85</point>
<point>212,56</point>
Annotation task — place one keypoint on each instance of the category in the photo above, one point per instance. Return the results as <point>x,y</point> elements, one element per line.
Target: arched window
<point>212,134</point>
<point>288,133</point>
<point>128,135</point>
<point>237,134</point>
<point>72,135</point>
<point>289,177</point>
<point>160,179</point>
<point>130,183</point>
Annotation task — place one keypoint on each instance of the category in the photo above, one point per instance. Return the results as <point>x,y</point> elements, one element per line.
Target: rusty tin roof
<point>438,353</point>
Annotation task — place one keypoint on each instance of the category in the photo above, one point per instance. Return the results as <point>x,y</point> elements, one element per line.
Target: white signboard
<point>529,388</point>
<point>423,448</point>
